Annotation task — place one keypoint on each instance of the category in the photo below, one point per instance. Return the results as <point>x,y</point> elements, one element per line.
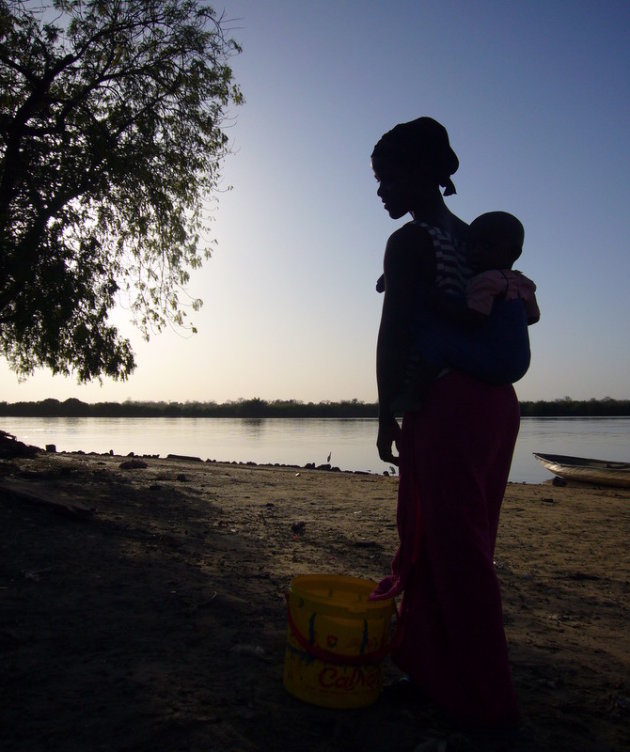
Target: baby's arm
<point>532,310</point>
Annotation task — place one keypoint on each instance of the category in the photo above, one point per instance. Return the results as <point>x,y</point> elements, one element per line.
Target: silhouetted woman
<point>455,452</point>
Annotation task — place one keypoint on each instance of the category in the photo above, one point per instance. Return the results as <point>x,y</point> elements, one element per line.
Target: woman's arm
<point>409,259</point>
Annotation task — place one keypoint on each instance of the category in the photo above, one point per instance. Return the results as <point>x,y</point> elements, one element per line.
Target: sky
<point>536,101</point>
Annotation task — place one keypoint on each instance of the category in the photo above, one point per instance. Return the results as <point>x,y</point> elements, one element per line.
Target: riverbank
<point>143,606</point>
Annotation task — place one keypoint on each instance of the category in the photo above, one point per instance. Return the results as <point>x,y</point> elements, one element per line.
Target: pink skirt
<point>455,459</point>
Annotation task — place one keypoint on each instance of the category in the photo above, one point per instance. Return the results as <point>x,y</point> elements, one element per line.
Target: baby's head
<point>495,241</point>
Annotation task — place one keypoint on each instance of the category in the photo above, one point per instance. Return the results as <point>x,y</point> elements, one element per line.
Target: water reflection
<point>255,427</point>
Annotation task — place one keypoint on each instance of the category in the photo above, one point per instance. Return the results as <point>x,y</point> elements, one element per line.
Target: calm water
<point>298,441</point>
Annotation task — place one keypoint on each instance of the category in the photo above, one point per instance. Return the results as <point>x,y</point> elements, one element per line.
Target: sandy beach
<point>143,607</point>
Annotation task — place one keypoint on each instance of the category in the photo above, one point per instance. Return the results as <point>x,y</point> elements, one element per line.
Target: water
<point>298,441</point>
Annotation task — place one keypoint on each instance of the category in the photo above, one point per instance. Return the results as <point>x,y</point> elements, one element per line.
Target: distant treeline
<point>258,408</point>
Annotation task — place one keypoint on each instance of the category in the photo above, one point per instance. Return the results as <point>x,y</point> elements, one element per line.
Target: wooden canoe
<point>585,470</point>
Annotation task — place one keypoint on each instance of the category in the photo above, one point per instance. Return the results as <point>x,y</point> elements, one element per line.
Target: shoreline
<point>326,466</point>
<point>304,443</point>
<point>156,619</point>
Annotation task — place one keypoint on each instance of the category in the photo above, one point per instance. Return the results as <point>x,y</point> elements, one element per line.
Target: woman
<point>455,452</point>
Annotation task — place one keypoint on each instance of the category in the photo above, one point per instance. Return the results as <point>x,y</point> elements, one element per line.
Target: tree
<point>111,142</point>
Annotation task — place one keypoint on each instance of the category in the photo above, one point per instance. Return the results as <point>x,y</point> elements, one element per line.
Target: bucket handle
<point>326,656</point>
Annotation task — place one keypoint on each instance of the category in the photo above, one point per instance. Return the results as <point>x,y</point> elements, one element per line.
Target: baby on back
<point>485,333</point>
<point>495,242</point>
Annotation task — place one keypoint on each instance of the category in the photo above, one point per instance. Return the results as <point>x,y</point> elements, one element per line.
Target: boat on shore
<point>585,470</point>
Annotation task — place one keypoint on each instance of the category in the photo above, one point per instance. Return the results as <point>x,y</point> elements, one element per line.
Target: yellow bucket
<point>336,642</point>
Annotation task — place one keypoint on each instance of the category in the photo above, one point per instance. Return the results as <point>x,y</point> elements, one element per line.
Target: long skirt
<point>455,457</point>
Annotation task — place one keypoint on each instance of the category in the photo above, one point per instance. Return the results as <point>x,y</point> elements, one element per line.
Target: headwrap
<point>421,143</point>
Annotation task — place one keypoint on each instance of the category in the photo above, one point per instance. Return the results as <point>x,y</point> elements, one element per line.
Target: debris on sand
<point>10,447</point>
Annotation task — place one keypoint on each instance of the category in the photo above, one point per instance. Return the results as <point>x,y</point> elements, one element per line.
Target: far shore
<point>257,408</point>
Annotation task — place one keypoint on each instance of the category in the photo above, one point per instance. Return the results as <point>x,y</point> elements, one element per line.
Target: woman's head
<point>418,148</point>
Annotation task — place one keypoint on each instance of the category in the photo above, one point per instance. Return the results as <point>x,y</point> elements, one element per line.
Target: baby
<point>485,334</point>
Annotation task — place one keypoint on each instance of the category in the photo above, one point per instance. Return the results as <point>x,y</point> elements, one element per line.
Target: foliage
<point>111,140</point>
<point>567,407</point>
<point>257,408</point>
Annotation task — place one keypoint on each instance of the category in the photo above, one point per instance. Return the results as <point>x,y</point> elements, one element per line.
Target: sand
<point>157,620</point>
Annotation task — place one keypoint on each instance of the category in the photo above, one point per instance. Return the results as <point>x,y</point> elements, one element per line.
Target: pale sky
<point>535,98</point>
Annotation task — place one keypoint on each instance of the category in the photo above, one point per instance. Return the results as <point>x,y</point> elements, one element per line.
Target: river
<point>350,442</point>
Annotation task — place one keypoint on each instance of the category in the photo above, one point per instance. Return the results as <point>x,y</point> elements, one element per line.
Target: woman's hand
<point>389,433</point>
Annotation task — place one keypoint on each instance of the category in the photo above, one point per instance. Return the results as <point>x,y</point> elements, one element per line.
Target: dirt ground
<point>157,622</point>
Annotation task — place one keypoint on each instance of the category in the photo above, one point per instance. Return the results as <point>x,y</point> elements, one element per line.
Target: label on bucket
<point>334,653</point>
<point>330,685</point>
<point>347,679</point>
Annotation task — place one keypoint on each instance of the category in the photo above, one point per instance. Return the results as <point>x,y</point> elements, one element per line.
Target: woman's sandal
<point>405,689</point>
<point>432,745</point>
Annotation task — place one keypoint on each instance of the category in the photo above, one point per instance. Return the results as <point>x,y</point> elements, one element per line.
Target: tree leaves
<point>110,145</point>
